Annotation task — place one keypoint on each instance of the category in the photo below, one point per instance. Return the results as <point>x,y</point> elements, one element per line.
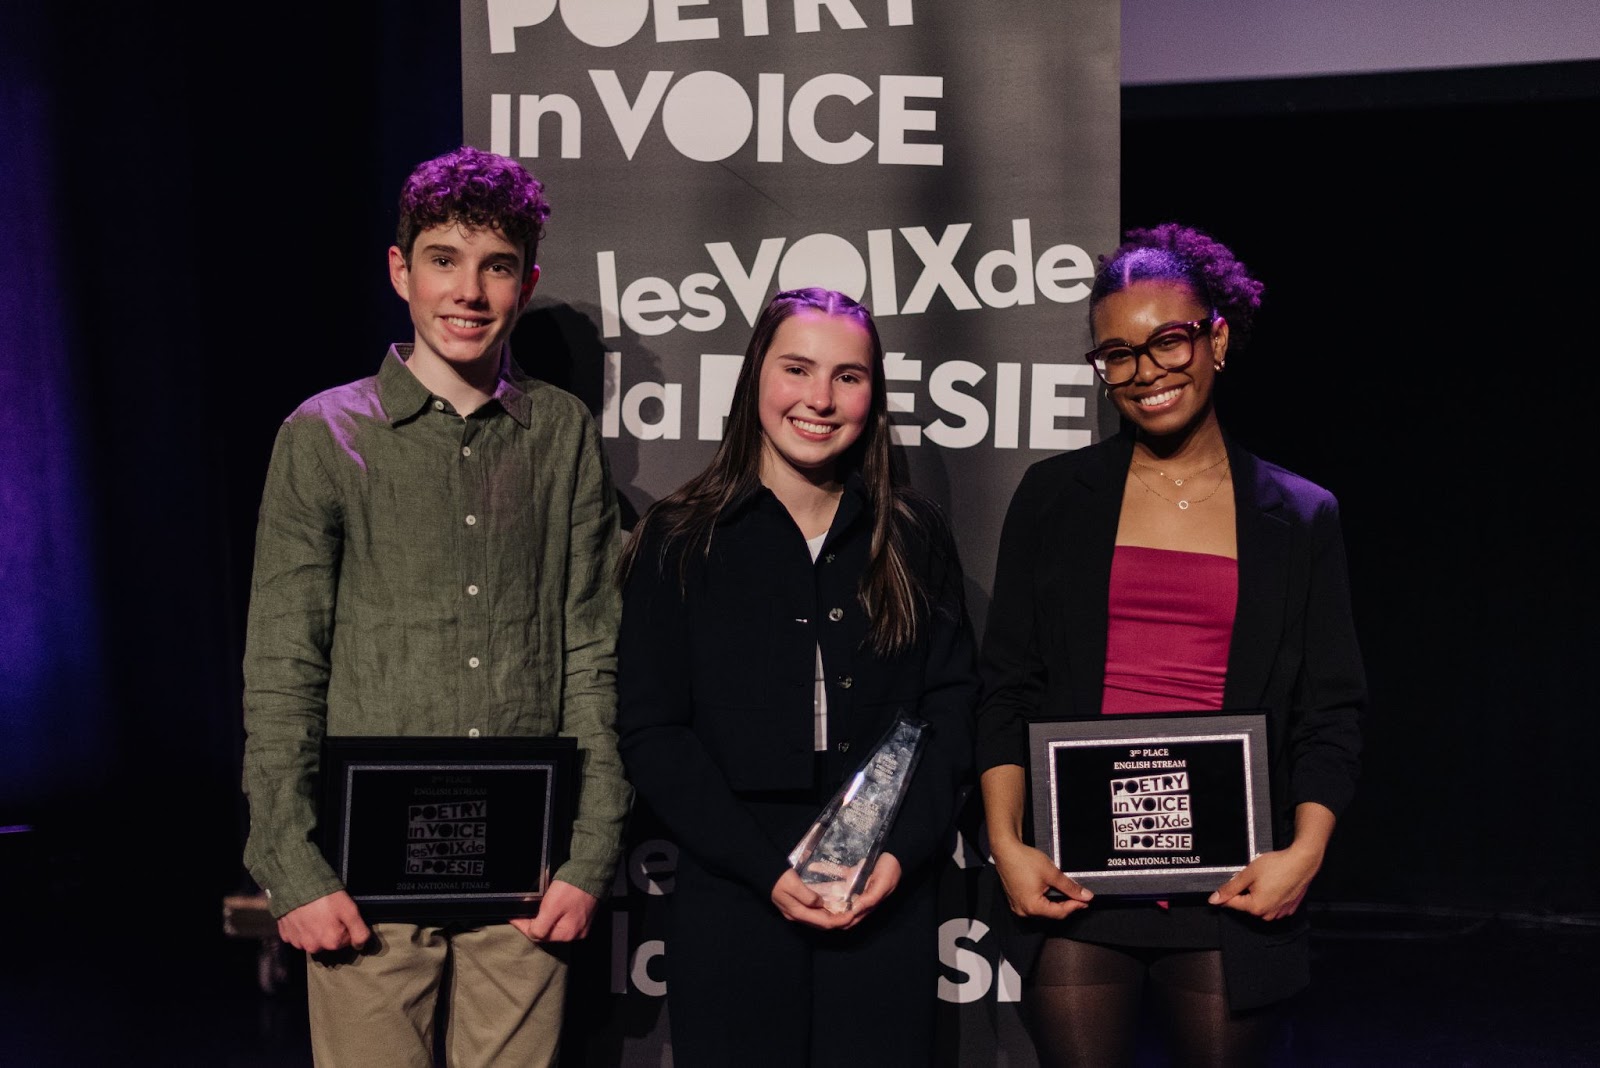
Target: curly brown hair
<point>1173,252</point>
<point>480,191</point>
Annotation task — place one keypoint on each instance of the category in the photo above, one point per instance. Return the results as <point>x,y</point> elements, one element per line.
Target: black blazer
<point>1293,653</point>
<point>716,676</point>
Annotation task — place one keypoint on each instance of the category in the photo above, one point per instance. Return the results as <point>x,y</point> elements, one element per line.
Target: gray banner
<point>957,174</point>
<point>954,166</point>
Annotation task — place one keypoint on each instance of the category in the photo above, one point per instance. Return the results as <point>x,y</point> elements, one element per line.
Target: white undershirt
<point>819,700</point>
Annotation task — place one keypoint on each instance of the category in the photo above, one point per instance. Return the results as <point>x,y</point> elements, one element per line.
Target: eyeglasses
<point>1171,348</point>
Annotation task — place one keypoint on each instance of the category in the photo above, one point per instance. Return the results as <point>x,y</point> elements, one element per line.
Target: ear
<point>1219,341</point>
<point>527,287</point>
<point>399,273</point>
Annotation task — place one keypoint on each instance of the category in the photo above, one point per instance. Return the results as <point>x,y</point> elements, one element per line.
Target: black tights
<point>1083,1007</point>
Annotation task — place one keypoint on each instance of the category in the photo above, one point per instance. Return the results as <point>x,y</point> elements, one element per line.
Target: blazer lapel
<point>1263,577</point>
<point>1090,534</point>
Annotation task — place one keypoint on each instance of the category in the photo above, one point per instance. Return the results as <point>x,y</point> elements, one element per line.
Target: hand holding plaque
<point>837,853</point>
<point>1151,805</point>
<point>436,829</point>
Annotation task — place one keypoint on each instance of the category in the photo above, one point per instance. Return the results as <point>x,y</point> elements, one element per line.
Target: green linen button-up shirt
<point>420,573</point>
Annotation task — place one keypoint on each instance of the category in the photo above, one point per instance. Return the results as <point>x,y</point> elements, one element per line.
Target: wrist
<point>1006,845</point>
<point>1308,849</point>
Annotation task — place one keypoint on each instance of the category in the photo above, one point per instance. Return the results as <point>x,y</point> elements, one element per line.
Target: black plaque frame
<point>434,830</point>
<point>1093,778</point>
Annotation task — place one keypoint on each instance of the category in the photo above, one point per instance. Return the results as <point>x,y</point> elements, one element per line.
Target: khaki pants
<point>376,1009</point>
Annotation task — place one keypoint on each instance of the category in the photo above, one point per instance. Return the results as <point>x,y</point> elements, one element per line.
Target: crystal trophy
<point>838,852</point>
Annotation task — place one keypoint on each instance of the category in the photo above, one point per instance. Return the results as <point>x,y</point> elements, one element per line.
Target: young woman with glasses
<point>1166,569</point>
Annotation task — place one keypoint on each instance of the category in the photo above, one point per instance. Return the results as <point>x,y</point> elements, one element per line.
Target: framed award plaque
<point>1151,805</point>
<point>440,829</point>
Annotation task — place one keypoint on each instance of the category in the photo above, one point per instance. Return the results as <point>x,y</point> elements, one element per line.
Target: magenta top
<point>1171,622</point>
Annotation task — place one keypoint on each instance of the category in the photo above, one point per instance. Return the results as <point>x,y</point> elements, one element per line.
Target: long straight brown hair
<point>685,520</point>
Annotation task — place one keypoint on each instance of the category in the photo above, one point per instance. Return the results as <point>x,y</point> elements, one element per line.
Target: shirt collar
<point>852,502</point>
<point>403,395</point>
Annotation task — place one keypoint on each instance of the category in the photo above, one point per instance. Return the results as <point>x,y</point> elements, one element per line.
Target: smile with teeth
<point>465,324</point>
<point>1153,400</point>
<point>812,428</point>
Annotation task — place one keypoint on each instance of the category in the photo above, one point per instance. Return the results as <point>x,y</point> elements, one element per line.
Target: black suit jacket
<point>716,673</point>
<point>1293,653</point>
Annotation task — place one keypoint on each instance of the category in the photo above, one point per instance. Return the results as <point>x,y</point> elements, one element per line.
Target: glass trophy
<point>838,851</point>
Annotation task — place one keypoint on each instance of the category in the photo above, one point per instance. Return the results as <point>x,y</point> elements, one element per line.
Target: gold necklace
<point>1185,478</point>
<point>1183,505</point>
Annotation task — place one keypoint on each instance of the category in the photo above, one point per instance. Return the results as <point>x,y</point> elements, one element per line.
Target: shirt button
<point>438,406</point>
<point>472,591</point>
<point>472,661</point>
<point>269,894</point>
<point>845,682</point>
<point>843,747</point>
<point>836,614</point>
<point>466,450</point>
<point>472,520</point>
<point>472,732</point>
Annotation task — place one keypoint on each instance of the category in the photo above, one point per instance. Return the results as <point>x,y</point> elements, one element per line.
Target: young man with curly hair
<point>434,557</point>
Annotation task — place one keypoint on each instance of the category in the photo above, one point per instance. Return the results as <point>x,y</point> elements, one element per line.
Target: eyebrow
<point>1151,334</point>
<point>793,357</point>
<point>453,250</point>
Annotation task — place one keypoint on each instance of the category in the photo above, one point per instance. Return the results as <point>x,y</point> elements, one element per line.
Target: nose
<point>1143,360</point>
<point>469,288</point>
<point>819,398</point>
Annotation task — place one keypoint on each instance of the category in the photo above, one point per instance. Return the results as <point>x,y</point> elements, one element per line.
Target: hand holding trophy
<point>836,855</point>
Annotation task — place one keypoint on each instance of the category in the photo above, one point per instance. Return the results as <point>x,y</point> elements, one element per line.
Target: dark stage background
<point>196,217</point>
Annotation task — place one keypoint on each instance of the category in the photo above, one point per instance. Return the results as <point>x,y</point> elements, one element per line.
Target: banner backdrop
<point>953,166</point>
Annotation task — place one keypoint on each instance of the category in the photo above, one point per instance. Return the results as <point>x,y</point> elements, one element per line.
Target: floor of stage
<point>1389,989</point>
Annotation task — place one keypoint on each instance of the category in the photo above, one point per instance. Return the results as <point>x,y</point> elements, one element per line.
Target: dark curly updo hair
<point>1173,252</point>
<point>479,190</point>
